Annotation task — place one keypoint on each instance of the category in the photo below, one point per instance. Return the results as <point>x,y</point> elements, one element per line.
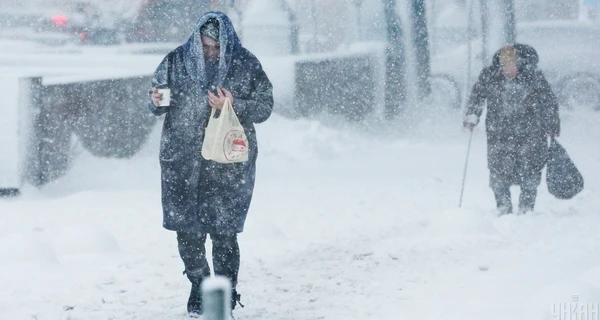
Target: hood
<point>528,58</point>
<point>194,55</point>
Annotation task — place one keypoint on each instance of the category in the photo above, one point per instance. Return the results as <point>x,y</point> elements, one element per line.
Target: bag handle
<point>212,112</point>
<point>233,119</point>
<point>212,115</point>
<point>219,124</point>
<point>226,110</point>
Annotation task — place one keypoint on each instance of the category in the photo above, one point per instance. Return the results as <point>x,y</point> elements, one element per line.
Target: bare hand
<point>228,95</point>
<point>469,126</point>
<point>218,101</point>
<point>156,97</point>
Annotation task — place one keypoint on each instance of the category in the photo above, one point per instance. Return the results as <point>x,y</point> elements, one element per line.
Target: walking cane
<point>462,189</point>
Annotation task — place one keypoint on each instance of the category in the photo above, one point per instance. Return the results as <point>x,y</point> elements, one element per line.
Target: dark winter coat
<point>200,195</point>
<point>517,143</point>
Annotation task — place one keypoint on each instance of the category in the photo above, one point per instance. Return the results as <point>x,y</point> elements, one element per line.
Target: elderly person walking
<point>522,112</point>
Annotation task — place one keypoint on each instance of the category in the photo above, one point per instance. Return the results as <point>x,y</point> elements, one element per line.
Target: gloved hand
<point>469,126</point>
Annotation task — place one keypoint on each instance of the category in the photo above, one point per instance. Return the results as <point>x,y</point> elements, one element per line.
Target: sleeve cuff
<point>156,111</point>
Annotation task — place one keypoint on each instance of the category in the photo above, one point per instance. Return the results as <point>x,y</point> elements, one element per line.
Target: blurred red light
<point>59,20</point>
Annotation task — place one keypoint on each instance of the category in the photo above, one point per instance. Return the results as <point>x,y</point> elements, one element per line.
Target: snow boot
<point>194,304</point>
<point>503,201</point>
<point>527,200</point>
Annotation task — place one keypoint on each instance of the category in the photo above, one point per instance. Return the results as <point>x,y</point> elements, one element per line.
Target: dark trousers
<point>516,161</point>
<point>225,254</point>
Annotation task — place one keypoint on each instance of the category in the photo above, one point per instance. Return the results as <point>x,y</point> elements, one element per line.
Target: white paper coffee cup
<point>165,101</point>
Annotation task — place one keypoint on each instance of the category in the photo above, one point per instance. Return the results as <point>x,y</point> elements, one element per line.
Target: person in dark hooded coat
<point>522,112</point>
<point>202,197</point>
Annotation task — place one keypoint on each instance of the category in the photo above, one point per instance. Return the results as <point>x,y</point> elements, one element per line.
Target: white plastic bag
<point>224,137</point>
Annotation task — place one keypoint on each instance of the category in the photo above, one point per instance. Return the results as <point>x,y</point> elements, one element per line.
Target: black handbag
<point>562,176</point>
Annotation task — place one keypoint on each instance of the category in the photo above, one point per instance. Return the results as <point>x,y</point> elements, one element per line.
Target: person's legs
<point>501,163</point>
<point>529,185</point>
<point>193,254</point>
<point>226,261</point>
<point>527,199</point>
<point>531,160</point>
<point>503,198</point>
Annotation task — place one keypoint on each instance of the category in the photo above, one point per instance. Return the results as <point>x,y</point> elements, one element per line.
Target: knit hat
<point>210,29</point>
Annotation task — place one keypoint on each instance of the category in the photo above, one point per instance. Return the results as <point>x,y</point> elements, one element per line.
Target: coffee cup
<point>165,94</point>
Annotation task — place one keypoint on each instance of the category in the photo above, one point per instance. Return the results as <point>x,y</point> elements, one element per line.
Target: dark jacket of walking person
<point>201,197</point>
<point>522,112</point>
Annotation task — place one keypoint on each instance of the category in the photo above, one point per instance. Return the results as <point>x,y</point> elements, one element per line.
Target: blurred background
<point>374,60</point>
<point>423,34</point>
<point>319,25</point>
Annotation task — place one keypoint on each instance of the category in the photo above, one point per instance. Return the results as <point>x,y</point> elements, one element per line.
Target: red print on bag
<point>234,145</point>
<point>239,143</point>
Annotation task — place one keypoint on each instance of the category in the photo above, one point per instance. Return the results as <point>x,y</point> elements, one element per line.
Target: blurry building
<point>528,10</point>
<point>169,20</point>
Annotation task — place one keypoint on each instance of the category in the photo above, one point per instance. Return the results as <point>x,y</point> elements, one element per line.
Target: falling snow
<point>355,210</point>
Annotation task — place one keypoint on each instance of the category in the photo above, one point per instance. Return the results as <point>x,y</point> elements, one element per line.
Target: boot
<point>194,304</point>
<point>503,201</point>
<point>502,210</point>
<point>527,200</point>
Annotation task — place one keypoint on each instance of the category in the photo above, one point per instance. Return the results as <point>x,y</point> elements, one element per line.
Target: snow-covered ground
<point>346,223</point>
